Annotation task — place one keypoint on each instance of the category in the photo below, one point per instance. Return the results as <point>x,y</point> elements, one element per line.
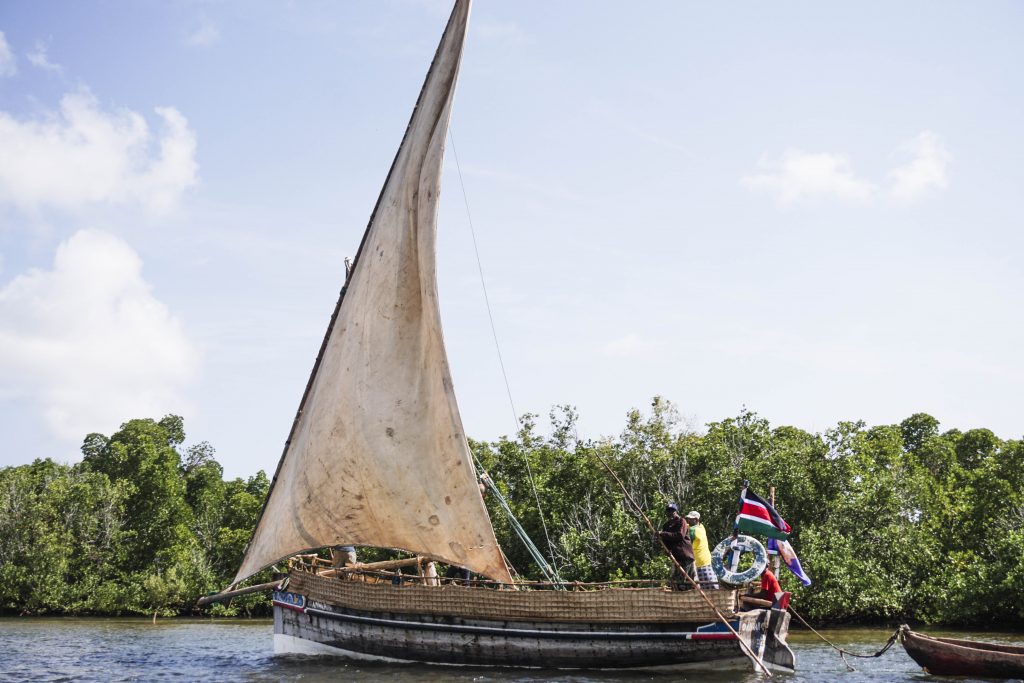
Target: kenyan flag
<point>758,517</point>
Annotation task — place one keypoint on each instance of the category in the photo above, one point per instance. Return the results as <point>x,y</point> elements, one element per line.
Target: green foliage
<point>892,522</point>
<point>135,528</point>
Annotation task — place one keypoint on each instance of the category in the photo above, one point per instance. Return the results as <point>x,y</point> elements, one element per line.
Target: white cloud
<point>925,171</point>
<point>7,63</point>
<point>206,33</point>
<point>799,175</point>
<point>89,342</point>
<point>83,155</point>
<point>632,345</point>
<point>803,175</point>
<point>38,58</point>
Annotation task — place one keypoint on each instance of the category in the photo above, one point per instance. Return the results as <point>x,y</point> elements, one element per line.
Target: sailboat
<point>377,456</point>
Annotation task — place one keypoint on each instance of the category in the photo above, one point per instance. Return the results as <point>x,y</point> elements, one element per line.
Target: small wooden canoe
<point>955,657</point>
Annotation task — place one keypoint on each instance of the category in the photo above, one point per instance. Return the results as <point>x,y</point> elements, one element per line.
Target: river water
<point>227,650</point>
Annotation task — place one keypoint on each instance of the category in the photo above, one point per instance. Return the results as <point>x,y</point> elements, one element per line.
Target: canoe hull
<point>306,626</point>
<point>955,657</point>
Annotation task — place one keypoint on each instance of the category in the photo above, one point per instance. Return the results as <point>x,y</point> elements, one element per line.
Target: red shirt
<point>770,584</point>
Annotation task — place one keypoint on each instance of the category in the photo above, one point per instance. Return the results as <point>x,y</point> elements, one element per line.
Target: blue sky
<point>808,209</point>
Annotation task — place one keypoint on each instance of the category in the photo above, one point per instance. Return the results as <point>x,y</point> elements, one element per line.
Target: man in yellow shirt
<point>701,552</point>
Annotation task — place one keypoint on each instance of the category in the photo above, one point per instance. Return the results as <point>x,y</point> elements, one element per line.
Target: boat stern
<point>765,632</point>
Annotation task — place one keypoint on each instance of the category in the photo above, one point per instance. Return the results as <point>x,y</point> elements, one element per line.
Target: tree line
<point>140,526</point>
<point>892,522</point>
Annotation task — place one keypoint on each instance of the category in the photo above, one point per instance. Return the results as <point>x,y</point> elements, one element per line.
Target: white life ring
<point>743,544</point>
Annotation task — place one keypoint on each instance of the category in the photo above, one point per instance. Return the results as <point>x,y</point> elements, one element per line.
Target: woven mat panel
<point>613,605</point>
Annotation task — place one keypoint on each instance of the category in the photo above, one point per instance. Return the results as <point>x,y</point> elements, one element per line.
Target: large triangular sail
<point>377,454</point>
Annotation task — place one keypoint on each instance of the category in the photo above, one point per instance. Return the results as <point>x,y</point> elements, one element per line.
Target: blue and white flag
<point>784,549</point>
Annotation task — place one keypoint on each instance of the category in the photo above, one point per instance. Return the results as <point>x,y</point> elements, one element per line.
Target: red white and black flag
<point>758,517</point>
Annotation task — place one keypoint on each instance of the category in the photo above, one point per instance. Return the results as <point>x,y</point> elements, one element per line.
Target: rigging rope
<point>842,651</point>
<point>550,573</point>
<point>497,346</point>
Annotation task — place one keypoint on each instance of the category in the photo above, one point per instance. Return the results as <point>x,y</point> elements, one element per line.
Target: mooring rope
<point>843,651</point>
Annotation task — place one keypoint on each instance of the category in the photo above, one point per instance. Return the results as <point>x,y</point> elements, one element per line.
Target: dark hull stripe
<point>520,632</point>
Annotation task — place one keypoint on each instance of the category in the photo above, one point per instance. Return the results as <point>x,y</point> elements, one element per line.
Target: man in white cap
<point>701,552</point>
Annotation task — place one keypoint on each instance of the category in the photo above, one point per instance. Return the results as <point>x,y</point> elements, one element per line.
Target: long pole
<point>679,568</point>
<point>227,595</point>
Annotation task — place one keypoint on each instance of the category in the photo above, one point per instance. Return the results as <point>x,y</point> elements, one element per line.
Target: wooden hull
<point>304,624</point>
<point>955,657</point>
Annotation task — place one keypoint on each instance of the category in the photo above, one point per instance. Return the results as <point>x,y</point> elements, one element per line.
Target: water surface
<point>229,650</point>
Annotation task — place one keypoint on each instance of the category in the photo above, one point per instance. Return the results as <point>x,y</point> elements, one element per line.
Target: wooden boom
<point>227,595</point>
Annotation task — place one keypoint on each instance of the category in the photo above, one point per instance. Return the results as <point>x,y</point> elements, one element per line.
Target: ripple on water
<point>121,650</point>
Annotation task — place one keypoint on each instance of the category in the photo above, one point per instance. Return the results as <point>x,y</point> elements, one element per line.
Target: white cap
<point>692,514</point>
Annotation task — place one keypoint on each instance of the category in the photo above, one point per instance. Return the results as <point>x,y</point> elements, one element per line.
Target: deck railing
<point>390,571</point>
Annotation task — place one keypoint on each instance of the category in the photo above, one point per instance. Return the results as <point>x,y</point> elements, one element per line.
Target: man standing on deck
<point>701,553</point>
<point>676,536</point>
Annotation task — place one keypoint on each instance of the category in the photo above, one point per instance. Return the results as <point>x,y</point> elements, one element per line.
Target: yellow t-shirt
<point>701,552</point>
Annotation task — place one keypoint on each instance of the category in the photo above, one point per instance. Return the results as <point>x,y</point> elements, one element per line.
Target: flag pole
<point>777,558</point>
<point>736,520</point>
<point>734,556</point>
<point>679,568</point>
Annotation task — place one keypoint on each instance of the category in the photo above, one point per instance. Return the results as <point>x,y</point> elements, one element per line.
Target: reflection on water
<point>192,650</point>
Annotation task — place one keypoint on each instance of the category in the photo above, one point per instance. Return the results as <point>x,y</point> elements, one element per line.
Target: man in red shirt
<point>770,589</point>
